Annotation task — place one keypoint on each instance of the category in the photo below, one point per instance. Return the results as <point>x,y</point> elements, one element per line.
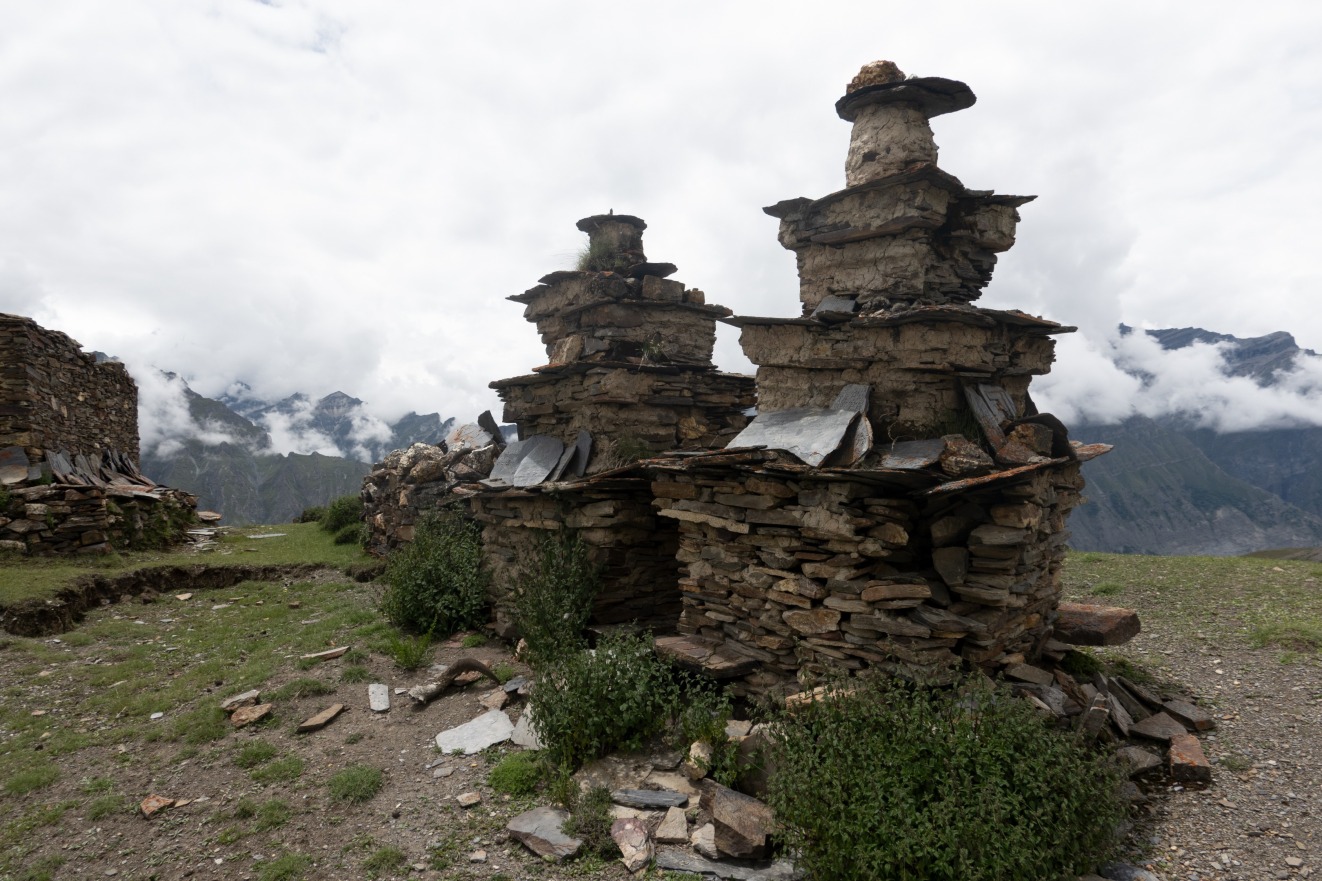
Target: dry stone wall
<point>55,396</point>
<point>69,479</point>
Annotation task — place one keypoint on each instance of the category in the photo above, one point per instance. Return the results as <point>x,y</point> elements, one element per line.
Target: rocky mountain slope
<point>1172,487</point>
<point>248,482</point>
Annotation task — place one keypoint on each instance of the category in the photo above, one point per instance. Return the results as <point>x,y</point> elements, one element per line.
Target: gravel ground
<point>1261,818</point>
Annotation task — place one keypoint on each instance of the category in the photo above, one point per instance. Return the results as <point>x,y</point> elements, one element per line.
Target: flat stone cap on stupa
<point>588,224</point>
<point>882,82</point>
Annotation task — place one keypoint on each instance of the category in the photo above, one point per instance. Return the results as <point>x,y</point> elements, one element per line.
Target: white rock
<point>525,733</point>
<point>486,730</point>
<point>378,697</point>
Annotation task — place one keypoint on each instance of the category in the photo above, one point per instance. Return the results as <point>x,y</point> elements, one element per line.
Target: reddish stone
<point>1187,761</point>
<point>1078,624</point>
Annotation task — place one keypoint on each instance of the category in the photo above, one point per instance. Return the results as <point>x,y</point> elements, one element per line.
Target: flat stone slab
<point>525,732</point>
<point>677,860</point>
<point>1138,760</point>
<point>674,828</point>
<point>488,729</point>
<point>710,659</point>
<point>542,831</point>
<point>630,836</point>
<point>320,720</point>
<point>1187,761</point>
<point>1158,727</point>
<point>649,799</point>
<point>378,697</point>
<point>247,699</point>
<point>244,716</point>
<point>327,655</point>
<point>155,803</point>
<point>1078,624</point>
<point>1190,716</point>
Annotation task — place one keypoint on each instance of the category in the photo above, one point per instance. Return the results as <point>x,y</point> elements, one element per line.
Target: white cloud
<point>322,195</point>
<point>164,420</point>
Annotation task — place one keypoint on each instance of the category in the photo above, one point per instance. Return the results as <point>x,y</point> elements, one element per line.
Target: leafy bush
<point>591,702</point>
<point>344,511</point>
<point>702,715</point>
<point>555,602</point>
<point>311,515</point>
<point>590,820</point>
<point>436,584</point>
<point>409,652</point>
<point>517,773</point>
<point>967,783</point>
<point>353,534</point>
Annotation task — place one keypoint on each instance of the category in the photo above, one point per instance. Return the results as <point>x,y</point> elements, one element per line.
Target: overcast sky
<point>310,195</point>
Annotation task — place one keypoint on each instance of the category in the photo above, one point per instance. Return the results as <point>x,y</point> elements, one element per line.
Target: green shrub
<point>435,584</point>
<point>592,702</point>
<point>517,773</point>
<point>967,783</point>
<point>554,604</point>
<point>344,511</point>
<point>474,640</point>
<point>202,725</point>
<point>702,715</point>
<point>311,515</point>
<point>590,821</point>
<point>355,783</point>
<point>353,534</point>
<point>409,652</point>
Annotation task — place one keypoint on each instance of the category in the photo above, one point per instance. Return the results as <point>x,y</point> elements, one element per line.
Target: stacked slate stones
<point>919,522</point>
<point>629,376</point>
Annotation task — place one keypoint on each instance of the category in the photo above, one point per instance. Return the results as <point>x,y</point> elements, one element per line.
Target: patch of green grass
<point>517,773</point>
<point>357,783</point>
<point>97,785</point>
<point>354,738</point>
<point>356,656</point>
<point>286,867</point>
<point>1296,634</point>
<point>41,870</point>
<point>32,779</point>
<point>302,687</point>
<point>272,815</point>
<point>355,673</point>
<point>202,725</point>
<point>250,755</point>
<point>473,640</point>
<point>229,835</point>
<point>23,578</point>
<point>384,860</point>
<point>504,673</point>
<point>105,805</point>
<point>285,770</point>
<point>1234,763</point>
<point>1107,589</point>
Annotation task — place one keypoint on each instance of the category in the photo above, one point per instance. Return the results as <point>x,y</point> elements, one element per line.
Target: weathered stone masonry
<point>55,396</point>
<point>897,503</point>
<point>69,479</point>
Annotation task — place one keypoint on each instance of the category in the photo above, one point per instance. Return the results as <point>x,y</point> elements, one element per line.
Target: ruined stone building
<point>896,503</point>
<point>69,479</point>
